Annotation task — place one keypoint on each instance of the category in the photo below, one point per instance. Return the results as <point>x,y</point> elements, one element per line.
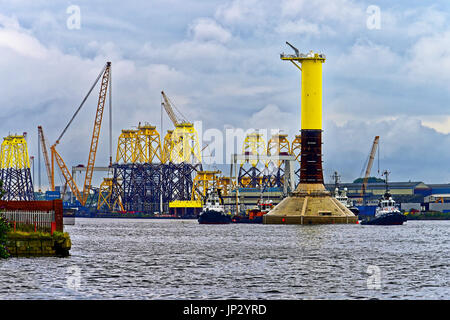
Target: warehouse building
<point>410,195</point>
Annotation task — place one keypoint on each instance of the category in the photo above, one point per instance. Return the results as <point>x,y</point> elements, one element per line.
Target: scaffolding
<point>15,169</point>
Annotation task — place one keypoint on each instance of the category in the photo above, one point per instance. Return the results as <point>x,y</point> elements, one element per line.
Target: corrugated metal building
<point>438,189</point>
<point>409,193</point>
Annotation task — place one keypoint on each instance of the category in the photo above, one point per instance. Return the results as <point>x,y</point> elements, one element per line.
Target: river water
<point>180,259</point>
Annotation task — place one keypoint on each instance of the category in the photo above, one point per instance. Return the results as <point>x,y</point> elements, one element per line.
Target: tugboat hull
<point>213,217</point>
<point>386,220</point>
<point>238,219</point>
<point>354,210</point>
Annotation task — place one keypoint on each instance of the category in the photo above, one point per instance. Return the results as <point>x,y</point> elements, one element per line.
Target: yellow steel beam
<point>66,173</point>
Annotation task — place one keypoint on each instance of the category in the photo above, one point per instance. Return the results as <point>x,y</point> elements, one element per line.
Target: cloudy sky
<point>219,62</point>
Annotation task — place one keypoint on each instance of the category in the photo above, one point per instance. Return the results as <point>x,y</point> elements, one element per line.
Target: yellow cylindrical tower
<point>311,121</point>
<point>312,93</point>
<point>311,68</point>
<point>310,203</point>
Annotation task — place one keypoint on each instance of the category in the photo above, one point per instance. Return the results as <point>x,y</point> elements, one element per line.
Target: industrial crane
<point>82,197</point>
<point>183,135</point>
<point>46,158</point>
<point>168,106</point>
<point>369,165</point>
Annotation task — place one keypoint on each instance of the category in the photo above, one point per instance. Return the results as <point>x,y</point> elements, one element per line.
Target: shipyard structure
<point>155,175</point>
<point>150,174</point>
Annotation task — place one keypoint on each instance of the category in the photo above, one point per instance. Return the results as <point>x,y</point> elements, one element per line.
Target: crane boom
<point>96,132</point>
<point>83,197</point>
<point>369,164</point>
<point>66,173</point>
<point>297,53</point>
<point>169,109</point>
<point>46,158</point>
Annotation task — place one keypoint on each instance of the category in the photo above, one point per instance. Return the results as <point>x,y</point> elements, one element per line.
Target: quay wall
<point>21,244</point>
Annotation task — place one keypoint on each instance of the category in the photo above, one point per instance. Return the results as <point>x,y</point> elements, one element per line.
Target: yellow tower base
<point>310,204</point>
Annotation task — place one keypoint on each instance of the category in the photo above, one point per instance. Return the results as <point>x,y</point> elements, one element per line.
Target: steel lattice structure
<point>185,145</point>
<point>296,150</point>
<point>264,174</point>
<point>148,175</point>
<point>203,181</point>
<point>84,195</point>
<point>15,169</point>
<point>278,145</point>
<point>145,187</point>
<point>167,147</point>
<point>147,145</point>
<point>253,176</point>
<point>126,145</point>
<point>226,184</point>
<point>109,196</point>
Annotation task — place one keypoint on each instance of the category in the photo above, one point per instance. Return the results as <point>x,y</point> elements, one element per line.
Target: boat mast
<point>386,173</point>
<point>336,177</point>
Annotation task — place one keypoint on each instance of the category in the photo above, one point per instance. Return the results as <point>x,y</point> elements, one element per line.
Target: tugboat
<point>213,211</point>
<point>387,212</point>
<point>341,196</point>
<point>255,215</point>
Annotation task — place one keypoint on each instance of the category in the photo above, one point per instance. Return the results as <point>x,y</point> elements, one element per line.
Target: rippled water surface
<point>180,259</point>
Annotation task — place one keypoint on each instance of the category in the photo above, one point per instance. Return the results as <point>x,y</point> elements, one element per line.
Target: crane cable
<point>81,105</point>
<point>183,118</point>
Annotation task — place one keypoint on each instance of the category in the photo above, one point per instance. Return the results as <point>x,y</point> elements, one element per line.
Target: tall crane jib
<point>168,107</point>
<point>184,143</point>
<point>46,157</point>
<point>369,165</point>
<point>96,132</point>
<point>82,197</point>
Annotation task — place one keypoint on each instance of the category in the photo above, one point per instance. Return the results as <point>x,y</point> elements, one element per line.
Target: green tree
<point>369,180</point>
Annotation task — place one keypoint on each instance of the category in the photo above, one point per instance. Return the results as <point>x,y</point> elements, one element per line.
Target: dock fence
<point>39,220</point>
<point>41,215</point>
